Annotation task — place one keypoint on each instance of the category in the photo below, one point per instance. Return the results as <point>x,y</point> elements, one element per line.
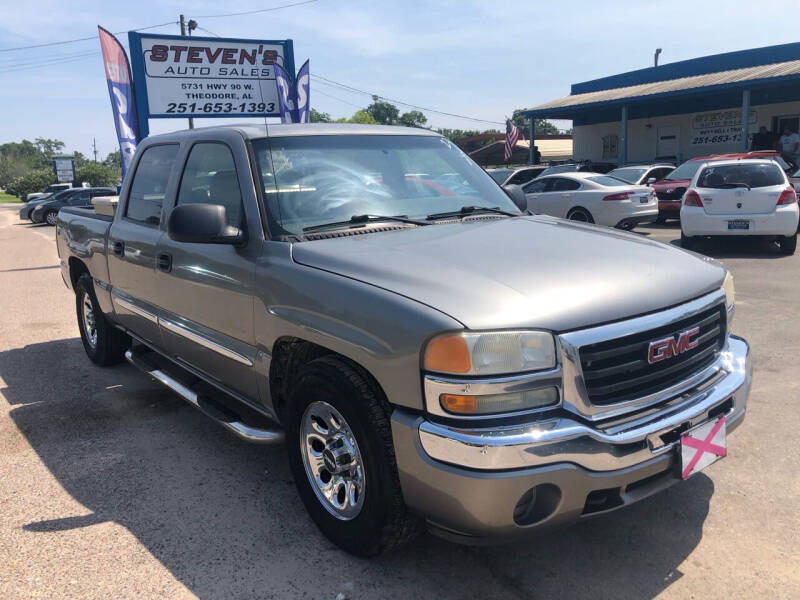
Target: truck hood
<point>520,272</point>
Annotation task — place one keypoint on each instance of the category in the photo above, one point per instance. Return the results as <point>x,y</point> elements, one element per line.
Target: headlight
<point>492,353</point>
<point>727,287</point>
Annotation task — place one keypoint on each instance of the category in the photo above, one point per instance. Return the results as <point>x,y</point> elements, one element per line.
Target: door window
<point>537,187</point>
<point>210,178</point>
<point>562,184</point>
<point>150,184</point>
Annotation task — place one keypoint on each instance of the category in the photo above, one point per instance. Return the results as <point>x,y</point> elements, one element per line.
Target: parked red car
<point>670,189</point>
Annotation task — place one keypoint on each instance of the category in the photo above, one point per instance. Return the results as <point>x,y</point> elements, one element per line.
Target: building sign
<point>177,76</point>
<point>65,169</point>
<point>720,127</point>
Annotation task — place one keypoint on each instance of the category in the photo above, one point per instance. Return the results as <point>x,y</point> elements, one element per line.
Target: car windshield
<point>312,180</point>
<point>608,181</point>
<point>754,175</point>
<point>499,175</point>
<point>559,169</point>
<point>685,171</point>
<point>629,174</point>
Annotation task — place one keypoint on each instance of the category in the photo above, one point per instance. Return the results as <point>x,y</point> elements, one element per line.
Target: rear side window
<point>150,184</point>
<point>210,178</point>
<point>562,184</point>
<point>741,175</point>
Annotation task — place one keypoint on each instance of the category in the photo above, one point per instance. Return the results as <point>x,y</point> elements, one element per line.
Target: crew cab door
<point>206,290</point>
<point>133,242</point>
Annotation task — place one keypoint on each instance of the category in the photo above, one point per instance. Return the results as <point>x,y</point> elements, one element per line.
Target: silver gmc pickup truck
<point>431,354</point>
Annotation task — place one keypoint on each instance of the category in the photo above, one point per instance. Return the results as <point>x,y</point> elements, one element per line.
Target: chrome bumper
<point>612,445</point>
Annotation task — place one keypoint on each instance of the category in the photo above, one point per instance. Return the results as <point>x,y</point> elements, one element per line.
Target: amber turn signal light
<point>456,403</point>
<point>448,354</point>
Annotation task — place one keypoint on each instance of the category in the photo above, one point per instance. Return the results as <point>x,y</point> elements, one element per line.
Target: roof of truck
<point>260,130</point>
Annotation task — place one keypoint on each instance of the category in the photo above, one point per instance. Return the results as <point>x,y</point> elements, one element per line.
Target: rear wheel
<point>661,219</point>
<point>339,444</point>
<point>51,217</point>
<point>788,244</point>
<point>580,214</point>
<point>104,344</point>
<point>687,241</point>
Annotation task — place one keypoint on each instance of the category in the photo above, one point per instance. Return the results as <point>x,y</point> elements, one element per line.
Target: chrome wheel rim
<point>332,460</point>
<point>51,218</point>
<point>89,324</point>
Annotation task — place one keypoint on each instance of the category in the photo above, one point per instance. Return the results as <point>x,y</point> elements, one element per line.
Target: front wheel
<point>104,344</point>
<point>788,244</point>
<point>340,450</point>
<point>51,217</point>
<point>580,214</point>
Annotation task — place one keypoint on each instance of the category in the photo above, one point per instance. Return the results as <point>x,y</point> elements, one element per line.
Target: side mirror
<point>651,180</point>
<point>202,224</point>
<point>517,196</point>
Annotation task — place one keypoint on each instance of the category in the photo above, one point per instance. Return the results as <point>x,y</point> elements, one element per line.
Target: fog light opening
<point>537,504</point>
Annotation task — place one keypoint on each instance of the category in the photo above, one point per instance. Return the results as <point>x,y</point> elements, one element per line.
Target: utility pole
<point>655,57</point>
<point>94,148</point>
<point>192,25</point>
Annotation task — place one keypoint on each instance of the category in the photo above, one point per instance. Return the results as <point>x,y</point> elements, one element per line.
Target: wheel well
<point>289,354</point>
<point>76,268</point>
<point>576,208</point>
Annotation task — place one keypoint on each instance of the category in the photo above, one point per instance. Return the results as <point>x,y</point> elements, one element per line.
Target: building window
<point>610,146</point>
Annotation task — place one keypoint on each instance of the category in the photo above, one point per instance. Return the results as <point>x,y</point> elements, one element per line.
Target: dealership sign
<point>720,127</point>
<point>177,76</point>
<point>64,167</point>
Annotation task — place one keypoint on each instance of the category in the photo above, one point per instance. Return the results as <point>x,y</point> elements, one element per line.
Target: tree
<point>360,116</point>
<point>97,174</point>
<point>384,113</point>
<point>49,147</point>
<point>113,160</point>
<point>542,127</point>
<point>315,116</point>
<point>33,181</point>
<point>413,118</point>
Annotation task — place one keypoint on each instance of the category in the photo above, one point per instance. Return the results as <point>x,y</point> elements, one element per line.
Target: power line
<point>93,37</point>
<point>318,91</point>
<point>49,63</point>
<point>439,112</point>
<point>206,30</point>
<point>252,12</point>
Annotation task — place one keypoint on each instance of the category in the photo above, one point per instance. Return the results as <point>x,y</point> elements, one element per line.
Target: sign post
<point>181,77</point>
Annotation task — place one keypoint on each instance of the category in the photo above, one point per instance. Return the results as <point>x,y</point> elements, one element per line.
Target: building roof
<point>708,83</point>
<point>551,150</point>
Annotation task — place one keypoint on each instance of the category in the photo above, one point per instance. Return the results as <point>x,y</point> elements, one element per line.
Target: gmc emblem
<point>669,347</point>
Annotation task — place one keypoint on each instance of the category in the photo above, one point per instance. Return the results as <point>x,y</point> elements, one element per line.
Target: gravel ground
<point>112,487</point>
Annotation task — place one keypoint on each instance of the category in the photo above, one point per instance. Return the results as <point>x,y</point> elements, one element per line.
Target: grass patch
<point>8,198</point>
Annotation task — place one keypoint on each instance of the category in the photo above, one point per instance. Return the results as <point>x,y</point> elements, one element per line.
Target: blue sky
<point>469,57</point>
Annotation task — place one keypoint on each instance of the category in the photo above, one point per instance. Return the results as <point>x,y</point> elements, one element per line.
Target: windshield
<point>740,175</point>
<point>685,171</point>
<point>629,174</point>
<point>608,181</point>
<point>499,175</point>
<point>311,180</point>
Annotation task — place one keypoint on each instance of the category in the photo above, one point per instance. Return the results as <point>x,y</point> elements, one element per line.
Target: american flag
<point>512,135</point>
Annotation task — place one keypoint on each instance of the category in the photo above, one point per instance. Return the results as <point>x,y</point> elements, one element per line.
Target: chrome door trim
<point>185,332</point>
<point>128,305</point>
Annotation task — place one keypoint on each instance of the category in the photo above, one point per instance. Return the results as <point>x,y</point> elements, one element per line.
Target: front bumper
<point>478,485</point>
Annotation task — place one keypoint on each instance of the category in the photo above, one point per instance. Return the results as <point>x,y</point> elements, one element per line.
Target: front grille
<point>672,195</point>
<point>618,370</point>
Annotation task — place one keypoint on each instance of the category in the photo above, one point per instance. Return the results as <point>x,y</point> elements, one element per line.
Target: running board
<point>208,407</point>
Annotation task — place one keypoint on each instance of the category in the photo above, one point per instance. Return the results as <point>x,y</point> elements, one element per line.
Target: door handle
<point>164,262</point>
<point>118,248</point>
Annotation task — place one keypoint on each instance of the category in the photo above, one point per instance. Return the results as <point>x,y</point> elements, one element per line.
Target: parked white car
<point>736,197</point>
<point>593,198</point>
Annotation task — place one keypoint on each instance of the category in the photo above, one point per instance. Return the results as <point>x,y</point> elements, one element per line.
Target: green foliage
<point>18,159</point>
<point>542,127</point>
<point>33,181</point>
<point>48,147</point>
<point>97,174</point>
<point>113,160</point>
<point>413,118</point>
<point>360,116</point>
<point>315,116</point>
<point>384,113</point>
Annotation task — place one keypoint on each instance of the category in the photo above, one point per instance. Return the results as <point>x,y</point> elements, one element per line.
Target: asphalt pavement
<point>112,487</point>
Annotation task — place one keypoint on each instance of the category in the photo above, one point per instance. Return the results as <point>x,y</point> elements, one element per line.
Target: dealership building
<point>675,111</point>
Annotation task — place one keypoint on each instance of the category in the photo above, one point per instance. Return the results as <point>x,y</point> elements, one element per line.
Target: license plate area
<point>703,445</point>
<point>740,224</point>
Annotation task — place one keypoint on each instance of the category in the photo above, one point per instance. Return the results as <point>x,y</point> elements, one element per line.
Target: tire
<point>108,344</point>
<point>688,242</point>
<point>382,521</point>
<point>580,214</point>
<point>660,219</point>
<point>788,244</point>
<point>50,217</point>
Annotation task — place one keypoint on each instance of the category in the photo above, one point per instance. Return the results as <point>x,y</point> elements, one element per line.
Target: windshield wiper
<point>363,220</point>
<point>471,210</point>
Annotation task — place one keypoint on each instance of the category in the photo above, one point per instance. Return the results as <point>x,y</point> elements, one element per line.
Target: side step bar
<point>220,414</point>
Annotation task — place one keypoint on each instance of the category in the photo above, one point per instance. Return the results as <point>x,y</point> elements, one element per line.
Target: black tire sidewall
<point>321,381</point>
<point>588,217</point>
<point>788,245</point>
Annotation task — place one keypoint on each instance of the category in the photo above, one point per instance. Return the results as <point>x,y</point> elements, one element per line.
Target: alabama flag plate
<point>702,446</point>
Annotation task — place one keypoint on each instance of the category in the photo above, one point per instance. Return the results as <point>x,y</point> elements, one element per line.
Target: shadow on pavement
<point>735,247</point>
<point>224,518</point>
